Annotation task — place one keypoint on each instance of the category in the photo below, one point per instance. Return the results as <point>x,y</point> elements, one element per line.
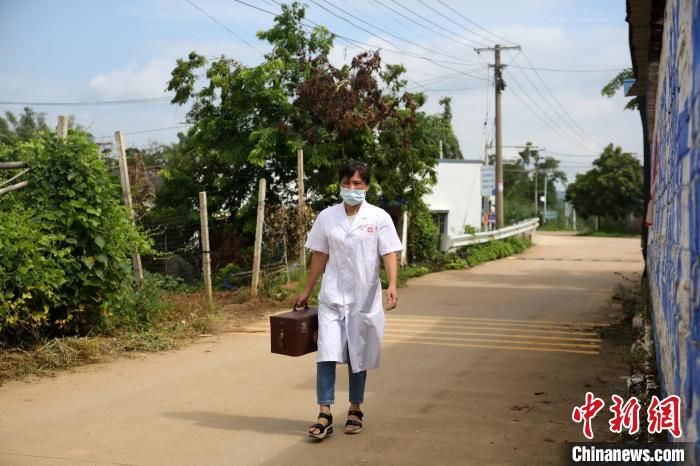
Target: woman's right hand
<point>302,300</point>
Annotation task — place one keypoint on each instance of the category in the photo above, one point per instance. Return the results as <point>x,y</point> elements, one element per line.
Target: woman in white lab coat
<point>347,241</point>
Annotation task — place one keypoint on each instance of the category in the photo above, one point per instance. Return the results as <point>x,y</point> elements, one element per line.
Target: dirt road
<point>479,367</point>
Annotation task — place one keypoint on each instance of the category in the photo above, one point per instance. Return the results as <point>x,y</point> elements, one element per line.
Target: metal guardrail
<point>526,226</point>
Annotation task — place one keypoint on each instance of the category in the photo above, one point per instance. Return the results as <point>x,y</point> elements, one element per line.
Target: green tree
<point>17,128</point>
<point>612,188</point>
<point>248,122</point>
<point>21,128</point>
<point>439,128</point>
<point>523,180</point>
<point>614,85</point>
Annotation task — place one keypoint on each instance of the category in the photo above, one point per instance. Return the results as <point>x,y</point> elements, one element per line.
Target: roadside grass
<point>178,323</point>
<point>176,315</point>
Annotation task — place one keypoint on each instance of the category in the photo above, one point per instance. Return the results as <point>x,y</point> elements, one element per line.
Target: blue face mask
<point>352,196</point>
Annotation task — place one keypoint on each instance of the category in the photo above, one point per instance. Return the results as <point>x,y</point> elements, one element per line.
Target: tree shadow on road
<point>265,425</point>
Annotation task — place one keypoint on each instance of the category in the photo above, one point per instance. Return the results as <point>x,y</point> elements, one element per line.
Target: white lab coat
<point>350,312</point>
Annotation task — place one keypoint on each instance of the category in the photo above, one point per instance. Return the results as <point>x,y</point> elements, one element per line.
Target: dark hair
<point>349,169</point>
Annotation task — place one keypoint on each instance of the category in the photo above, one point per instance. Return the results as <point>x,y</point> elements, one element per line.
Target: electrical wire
<point>554,97</point>
<point>560,121</point>
<point>472,44</point>
<point>398,51</point>
<point>89,103</point>
<point>479,44</point>
<point>402,39</point>
<point>475,24</point>
<point>225,27</point>
<point>552,123</point>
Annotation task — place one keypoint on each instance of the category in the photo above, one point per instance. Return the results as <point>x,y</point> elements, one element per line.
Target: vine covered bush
<point>66,241</point>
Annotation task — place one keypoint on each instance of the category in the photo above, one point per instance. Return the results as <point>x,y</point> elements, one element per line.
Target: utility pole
<point>499,86</point>
<point>534,152</point>
<point>544,214</point>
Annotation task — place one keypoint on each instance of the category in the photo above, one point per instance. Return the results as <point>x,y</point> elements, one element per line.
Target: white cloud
<point>133,81</point>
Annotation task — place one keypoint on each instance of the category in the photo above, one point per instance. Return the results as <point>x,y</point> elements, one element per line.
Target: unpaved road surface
<point>481,366</point>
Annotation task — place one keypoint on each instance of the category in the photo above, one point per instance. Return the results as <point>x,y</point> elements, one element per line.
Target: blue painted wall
<point>673,259</point>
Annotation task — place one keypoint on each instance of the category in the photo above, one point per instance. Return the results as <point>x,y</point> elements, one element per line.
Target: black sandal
<point>353,422</point>
<point>324,430</point>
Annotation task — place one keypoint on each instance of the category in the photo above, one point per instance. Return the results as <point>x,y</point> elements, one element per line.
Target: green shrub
<point>423,236</point>
<point>457,264</point>
<point>30,273</point>
<point>517,210</point>
<point>232,273</point>
<point>79,226</point>
<point>493,250</point>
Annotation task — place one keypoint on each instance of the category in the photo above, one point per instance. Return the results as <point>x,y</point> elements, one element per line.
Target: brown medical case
<point>294,333</point>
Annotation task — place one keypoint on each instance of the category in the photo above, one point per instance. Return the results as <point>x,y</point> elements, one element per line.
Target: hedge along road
<point>480,366</point>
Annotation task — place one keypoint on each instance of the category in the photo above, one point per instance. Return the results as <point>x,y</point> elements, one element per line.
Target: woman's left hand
<point>392,297</point>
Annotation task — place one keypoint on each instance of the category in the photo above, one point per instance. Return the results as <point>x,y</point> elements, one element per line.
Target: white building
<point>456,198</point>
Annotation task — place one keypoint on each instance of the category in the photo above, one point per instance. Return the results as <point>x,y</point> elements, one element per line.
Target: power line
<point>225,27</point>
<point>560,154</point>
<point>472,22</point>
<point>549,90</point>
<point>438,79</point>
<point>485,133</point>
<point>473,43</point>
<point>559,70</point>
<point>144,131</point>
<point>552,123</point>
<point>479,44</point>
<point>89,103</point>
<point>395,50</point>
<point>570,130</point>
<point>386,8</point>
<point>155,130</point>
<point>459,89</point>
<point>378,29</point>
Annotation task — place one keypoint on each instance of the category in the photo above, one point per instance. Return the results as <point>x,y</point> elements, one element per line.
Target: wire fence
<point>177,250</point>
<point>176,241</point>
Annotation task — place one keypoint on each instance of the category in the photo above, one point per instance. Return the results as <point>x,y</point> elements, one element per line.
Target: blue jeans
<point>325,383</point>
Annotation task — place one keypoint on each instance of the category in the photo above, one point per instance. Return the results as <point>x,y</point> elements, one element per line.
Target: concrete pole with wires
<point>499,86</point>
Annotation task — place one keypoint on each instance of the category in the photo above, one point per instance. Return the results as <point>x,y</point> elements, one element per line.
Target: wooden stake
<point>12,165</point>
<point>258,239</point>
<point>206,256</point>
<point>301,213</point>
<point>126,194</point>
<point>62,128</point>
<point>404,238</point>
<point>13,187</point>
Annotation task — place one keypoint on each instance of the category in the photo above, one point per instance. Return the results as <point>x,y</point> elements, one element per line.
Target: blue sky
<point>112,50</point>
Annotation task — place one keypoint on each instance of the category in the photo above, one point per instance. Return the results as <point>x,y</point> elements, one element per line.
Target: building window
<point>440,219</point>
